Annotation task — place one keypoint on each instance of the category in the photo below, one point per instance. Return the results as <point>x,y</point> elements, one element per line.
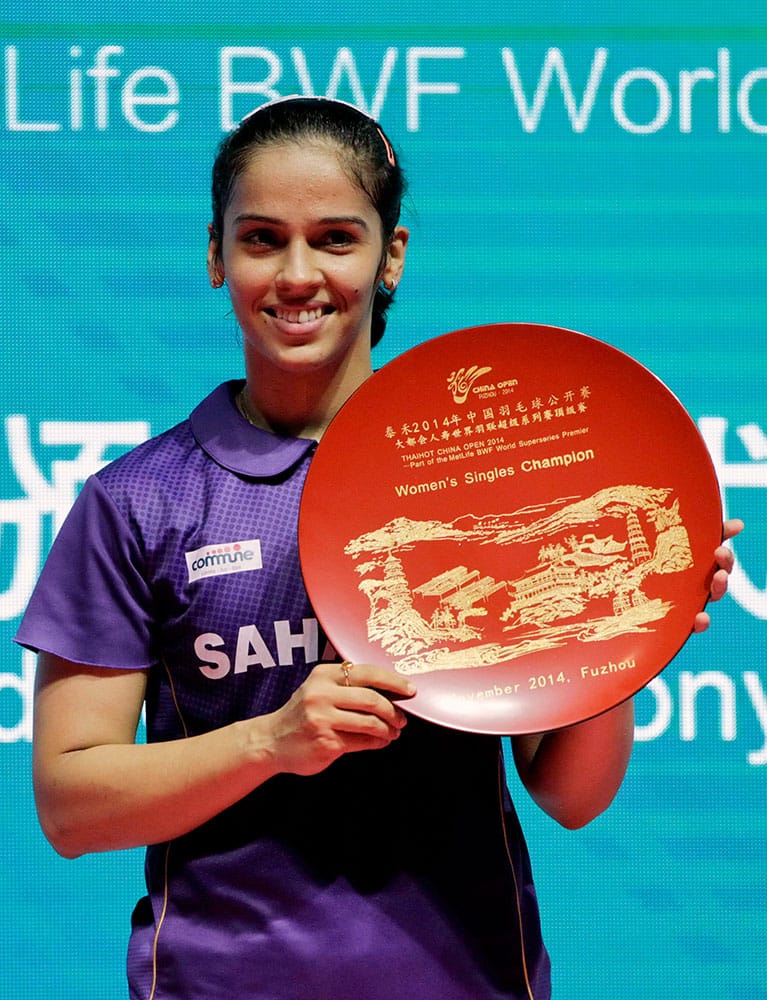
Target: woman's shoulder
<point>169,458</point>
<point>147,483</point>
<point>157,458</point>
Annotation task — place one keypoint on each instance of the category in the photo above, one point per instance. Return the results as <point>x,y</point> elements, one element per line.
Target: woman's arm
<point>574,774</point>
<point>97,790</point>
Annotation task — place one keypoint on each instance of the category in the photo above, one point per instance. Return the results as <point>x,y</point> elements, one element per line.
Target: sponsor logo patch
<point>227,557</point>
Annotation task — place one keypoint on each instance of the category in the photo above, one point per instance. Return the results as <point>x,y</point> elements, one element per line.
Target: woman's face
<point>302,254</point>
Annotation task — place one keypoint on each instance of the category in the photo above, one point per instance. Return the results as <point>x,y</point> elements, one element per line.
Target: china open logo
<point>460,382</point>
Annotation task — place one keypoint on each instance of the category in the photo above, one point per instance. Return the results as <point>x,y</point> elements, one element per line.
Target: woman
<point>281,862</point>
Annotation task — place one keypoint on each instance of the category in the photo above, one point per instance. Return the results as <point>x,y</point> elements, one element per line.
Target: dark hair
<point>365,153</point>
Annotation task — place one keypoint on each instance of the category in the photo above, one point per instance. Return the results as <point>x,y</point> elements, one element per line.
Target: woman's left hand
<point>724,560</point>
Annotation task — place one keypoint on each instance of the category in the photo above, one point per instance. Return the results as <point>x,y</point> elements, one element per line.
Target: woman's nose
<point>298,267</point>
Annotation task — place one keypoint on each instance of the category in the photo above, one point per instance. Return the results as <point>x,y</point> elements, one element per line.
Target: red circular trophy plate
<point>520,518</point>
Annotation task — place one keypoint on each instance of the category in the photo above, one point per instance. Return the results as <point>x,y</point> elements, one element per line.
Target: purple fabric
<point>100,614</point>
<point>396,873</point>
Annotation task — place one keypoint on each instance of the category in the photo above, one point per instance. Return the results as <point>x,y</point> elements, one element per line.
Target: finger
<point>732,527</point>
<point>702,622</point>
<point>368,725</point>
<point>719,583</point>
<point>380,678</point>
<point>353,742</point>
<point>368,702</point>
<point>725,558</point>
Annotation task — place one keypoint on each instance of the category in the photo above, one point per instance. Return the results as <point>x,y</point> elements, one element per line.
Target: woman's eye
<point>338,238</point>
<point>261,237</point>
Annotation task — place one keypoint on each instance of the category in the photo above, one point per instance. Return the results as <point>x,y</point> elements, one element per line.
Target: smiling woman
<point>302,253</point>
<point>305,234</point>
<point>281,860</point>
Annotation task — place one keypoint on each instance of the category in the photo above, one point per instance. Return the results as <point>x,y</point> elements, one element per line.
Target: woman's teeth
<point>302,316</point>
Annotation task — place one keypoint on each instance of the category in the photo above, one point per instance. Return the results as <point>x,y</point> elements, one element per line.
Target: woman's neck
<point>298,406</point>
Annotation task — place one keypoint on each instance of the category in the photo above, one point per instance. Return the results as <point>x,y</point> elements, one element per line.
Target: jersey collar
<point>224,434</point>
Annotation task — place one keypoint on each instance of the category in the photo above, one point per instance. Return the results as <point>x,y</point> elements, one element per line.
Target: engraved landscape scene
<point>577,570</point>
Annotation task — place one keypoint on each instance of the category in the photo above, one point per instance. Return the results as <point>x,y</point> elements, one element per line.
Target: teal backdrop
<point>595,166</point>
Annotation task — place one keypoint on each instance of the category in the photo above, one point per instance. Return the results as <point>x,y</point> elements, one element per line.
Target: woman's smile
<point>306,314</point>
<point>299,320</point>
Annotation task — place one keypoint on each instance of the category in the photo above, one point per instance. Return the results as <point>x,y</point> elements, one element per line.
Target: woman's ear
<point>395,258</point>
<point>215,264</point>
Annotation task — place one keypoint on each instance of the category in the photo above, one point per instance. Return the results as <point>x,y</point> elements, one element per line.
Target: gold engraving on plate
<point>589,559</point>
<point>459,382</point>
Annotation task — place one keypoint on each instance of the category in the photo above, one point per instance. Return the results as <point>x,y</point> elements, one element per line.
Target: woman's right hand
<point>336,712</point>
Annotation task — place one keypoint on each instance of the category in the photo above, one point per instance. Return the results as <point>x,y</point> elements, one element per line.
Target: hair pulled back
<point>364,153</point>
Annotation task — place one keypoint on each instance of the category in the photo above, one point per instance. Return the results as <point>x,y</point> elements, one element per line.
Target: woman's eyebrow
<point>255,217</point>
<point>330,220</point>
<point>354,220</point>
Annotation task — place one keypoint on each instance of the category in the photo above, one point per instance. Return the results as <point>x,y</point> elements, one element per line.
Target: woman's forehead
<point>299,175</point>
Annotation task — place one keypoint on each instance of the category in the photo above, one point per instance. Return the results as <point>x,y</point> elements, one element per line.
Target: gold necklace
<point>244,410</point>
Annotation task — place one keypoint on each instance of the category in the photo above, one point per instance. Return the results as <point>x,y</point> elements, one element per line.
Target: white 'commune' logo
<point>223,558</point>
